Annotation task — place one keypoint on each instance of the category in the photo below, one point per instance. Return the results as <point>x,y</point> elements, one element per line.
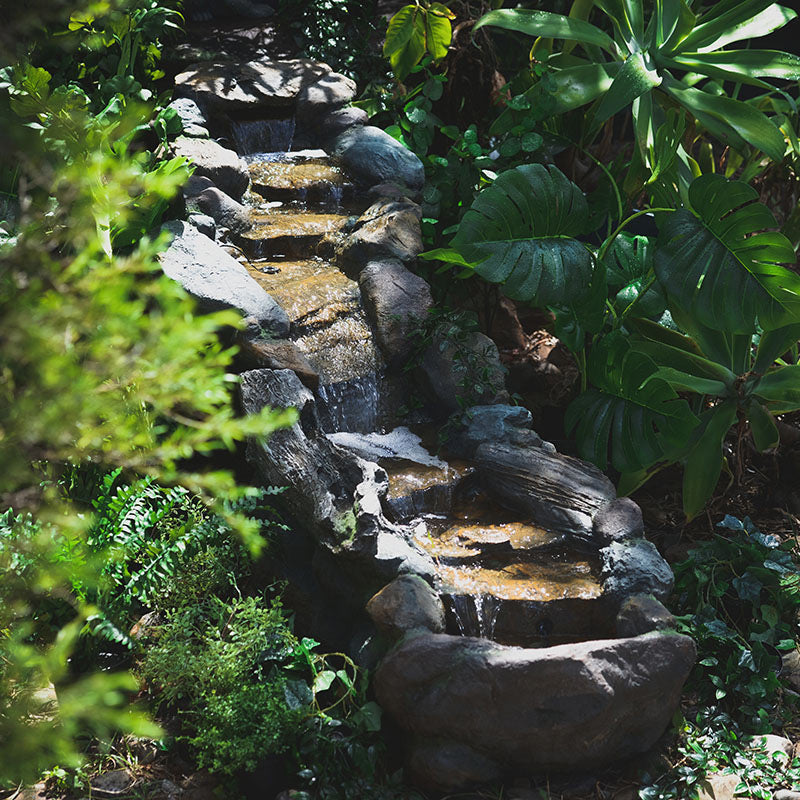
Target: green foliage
<point>637,67</point>
<point>715,267</point>
<point>339,32</point>
<point>737,595</point>
<point>230,669</point>
<point>415,31</point>
<point>104,360</point>
<point>714,743</point>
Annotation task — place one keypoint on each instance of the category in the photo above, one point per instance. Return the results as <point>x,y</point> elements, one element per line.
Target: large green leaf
<point>742,66</point>
<point>781,388</point>
<point>636,76</point>
<point>704,462</point>
<point>762,425</point>
<point>732,121</point>
<point>547,24</point>
<point>640,420</point>
<point>405,40</point>
<point>745,20</point>
<point>717,269</point>
<point>774,344</point>
<point>518,232</point>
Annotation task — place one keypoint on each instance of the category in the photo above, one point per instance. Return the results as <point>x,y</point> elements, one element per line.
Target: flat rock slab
<point>230,87</point>
<point>557,708</point>
<point>213,161</point>
<point>372,156</point>
<point>400,443</point>
<point>557,491</point>
<point>217,280</point>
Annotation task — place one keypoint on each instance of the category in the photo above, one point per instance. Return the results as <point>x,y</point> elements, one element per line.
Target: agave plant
<point>673,56</point>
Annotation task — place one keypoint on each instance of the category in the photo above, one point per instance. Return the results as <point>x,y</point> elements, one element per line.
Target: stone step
<point>287,232</point>
<point>312,181</point>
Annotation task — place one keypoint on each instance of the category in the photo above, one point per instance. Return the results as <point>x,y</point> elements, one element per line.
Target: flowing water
<point>500,577</point>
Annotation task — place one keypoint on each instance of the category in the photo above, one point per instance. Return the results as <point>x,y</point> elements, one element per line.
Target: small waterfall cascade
<point>262,135</point>
<point>296,200</point>
<point>500,578</point>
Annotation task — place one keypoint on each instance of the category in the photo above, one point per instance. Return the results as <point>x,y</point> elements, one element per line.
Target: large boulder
<point>556,491</point>
<point>372,156</point>
<point>493,423</point>
<point>215,162</point>
<point>635,566</point>
<point>217,280</point>
<point>339,120</point>
<point>230,87</point>
<point>574,706</point>
<point>396,301</point>
<point>387,230</point>
<point>407,603</point>
<point>462,371</point>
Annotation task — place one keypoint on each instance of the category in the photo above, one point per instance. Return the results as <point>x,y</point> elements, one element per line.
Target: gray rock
<point>620,519</point>
<point>558,492</point>
<point>372,156</point>
<point>561,708</point>
<point>635,567</point>
<point>642,613</point>
<point>718,786</point>
<point>457,373</point>
<point>774,745</point>
<point>321,478</point>
<point>442,765</point>
<point>204,224</point>
<point>231,86</point>
<point>405,604</point>
<point>786,794</point>
<point>224,210</point>
<point>790,669</point>
<point>112,784</point>
<point>396,301</point>
<point>387,230</point>
<point>215,162</point>
<point>335,122</point>
<point>279,354</point>
<point>192,118</point>
<point>194,185</point>
<point>316,100</point>
<point>494,423</point>
<point>400,443</point>
<point>216,279</point>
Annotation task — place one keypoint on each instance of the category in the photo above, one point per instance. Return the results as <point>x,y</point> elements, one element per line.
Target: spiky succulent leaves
<point>628,419</point>
<point>704,462</point>
<point>519,232</point>
<point>646,53</point>
<point>719,264</point>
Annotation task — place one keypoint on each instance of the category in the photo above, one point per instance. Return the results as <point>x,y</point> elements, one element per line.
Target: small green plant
<point>416,30</point>
<point>737,595</point>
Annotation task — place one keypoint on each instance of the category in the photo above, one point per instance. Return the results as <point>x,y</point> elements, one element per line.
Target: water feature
<point>262,135</point>
<point>500,576</point>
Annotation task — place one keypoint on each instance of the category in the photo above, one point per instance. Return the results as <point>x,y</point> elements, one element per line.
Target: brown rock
<point>407,603</point>
<point>574,706</point>
<point>387,230</point>
<point>719,787</point>
<point>279,354</point>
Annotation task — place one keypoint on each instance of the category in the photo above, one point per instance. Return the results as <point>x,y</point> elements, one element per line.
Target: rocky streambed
<point>507,599</point>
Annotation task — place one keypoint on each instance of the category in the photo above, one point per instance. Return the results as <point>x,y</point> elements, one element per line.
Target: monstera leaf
<point>638,418</point>
<point>721,267</point>
<point>629,265</point>
<point>519,233</point>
